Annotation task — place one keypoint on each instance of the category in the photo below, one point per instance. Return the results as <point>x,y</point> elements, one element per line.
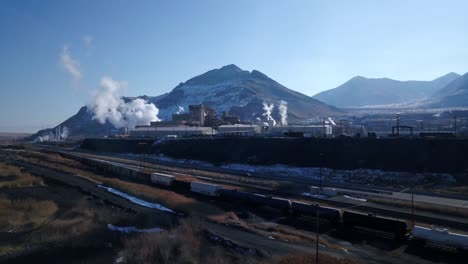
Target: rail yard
<point>288,204</point>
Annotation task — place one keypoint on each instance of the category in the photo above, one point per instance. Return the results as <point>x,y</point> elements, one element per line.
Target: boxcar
<point>162,179</point>
<point>397,227</point>
<point>328,213</point>
<point>204,188</point>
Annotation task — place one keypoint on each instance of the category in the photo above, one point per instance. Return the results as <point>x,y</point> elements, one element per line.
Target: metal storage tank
<point>441,236</point>
<point>162,179</point>
<point>205,188</point>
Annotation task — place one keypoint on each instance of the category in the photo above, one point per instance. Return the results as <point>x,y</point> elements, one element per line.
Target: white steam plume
<point>107,105</point>
<point>180,111</point>
<point>65,133</point>
<point>71,65</point>
<point>268,110</point>
<point>283,111</point>
<point>331,121</point>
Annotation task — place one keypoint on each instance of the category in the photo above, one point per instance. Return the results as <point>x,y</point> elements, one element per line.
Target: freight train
<point>344,218</point>
<point>347,219</point>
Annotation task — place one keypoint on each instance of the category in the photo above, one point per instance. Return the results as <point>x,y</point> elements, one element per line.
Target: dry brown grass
<point>17,215</point>
<point>463,190</point>
<point>167,198</point>
<point>310,259</point>
<point>187,244</point>
<point>12,176</point>
<point>83,224</point>
<point>440,209</point>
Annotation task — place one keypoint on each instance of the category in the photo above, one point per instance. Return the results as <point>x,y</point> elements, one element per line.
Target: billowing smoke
<point>108,105</point>
<point>180,111</point>
<point>283,111</point>
<point>268,108</point>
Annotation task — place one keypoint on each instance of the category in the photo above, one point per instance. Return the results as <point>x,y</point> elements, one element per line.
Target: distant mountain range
<point>243,93</point>
<point>455,94</point>
<point>362,92</point>
<point>229,89</point>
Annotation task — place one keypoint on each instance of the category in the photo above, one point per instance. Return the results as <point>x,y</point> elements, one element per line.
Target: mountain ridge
<point>228,88</point>
<point>360,91</point>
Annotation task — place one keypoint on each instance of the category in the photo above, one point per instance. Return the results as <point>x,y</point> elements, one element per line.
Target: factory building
<point>171,131</point>
<point>239,130</point>
<point>302,131</point>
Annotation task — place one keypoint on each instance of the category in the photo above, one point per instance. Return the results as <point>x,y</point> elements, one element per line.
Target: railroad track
<point>419,217</point>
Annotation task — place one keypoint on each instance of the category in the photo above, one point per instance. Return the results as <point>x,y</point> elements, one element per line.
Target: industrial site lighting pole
<point>141,152</point>
<point>321,169</point>
<point>412,208</point>
<point>455,125</point>
<point>317,207</point>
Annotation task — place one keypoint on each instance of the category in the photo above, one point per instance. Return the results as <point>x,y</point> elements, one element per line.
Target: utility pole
<point>455,125</point>
<point>398,124</point>
<point>317,230</point>
<point>323,123</point>
<point>412,209</point>
<point>321,171</point>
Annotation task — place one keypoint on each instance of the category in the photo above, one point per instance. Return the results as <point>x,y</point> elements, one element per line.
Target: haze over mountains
<point>361,91</point>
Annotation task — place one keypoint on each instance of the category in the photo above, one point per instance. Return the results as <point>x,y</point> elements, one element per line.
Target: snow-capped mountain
<point>229,88</point>
<point>241,93</point>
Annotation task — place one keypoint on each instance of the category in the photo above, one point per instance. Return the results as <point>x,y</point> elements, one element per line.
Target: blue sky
<point>308,46</point>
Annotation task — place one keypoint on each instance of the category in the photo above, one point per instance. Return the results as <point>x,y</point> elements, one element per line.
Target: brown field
<point>188,244</point>
<point>439,209</point>
<point>11,176</point>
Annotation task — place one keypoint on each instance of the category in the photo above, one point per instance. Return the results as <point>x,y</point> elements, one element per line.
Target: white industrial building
<point>239,129</point>
<point>171,131</point>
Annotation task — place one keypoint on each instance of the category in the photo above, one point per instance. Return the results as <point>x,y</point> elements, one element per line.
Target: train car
<point>235,196</point>
<point>440,238</point>
<point>270,201</point>
<point>183,186</point>
<point>398,228</point>
<point>162,179</point>
<point>328,213</point>
<point>205,188</point>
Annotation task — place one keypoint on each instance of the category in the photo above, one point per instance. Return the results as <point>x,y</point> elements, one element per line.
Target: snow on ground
<point>132,229</point>
<point>357,176</point>
<point>136,200</point>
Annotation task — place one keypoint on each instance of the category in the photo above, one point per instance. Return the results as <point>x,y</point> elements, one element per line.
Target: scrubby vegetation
<point>11,176</point>
<point>187,244</point>
<point>21,214</point>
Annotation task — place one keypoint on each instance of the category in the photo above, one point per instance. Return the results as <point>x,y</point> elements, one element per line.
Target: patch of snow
<point>132,229</point>
<point>358,176</point>
<point>136,200</point>
<point>354,198</point>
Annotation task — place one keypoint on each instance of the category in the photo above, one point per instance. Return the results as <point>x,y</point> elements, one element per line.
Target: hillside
<point>226,89</point>
<point>361,91</point>
<point>455,94</point>
<point>242,93</point>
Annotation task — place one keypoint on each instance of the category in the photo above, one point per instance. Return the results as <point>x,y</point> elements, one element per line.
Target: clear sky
<point>53,53</point>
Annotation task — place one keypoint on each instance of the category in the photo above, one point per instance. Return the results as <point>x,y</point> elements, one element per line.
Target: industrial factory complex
<point>202,120</point>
